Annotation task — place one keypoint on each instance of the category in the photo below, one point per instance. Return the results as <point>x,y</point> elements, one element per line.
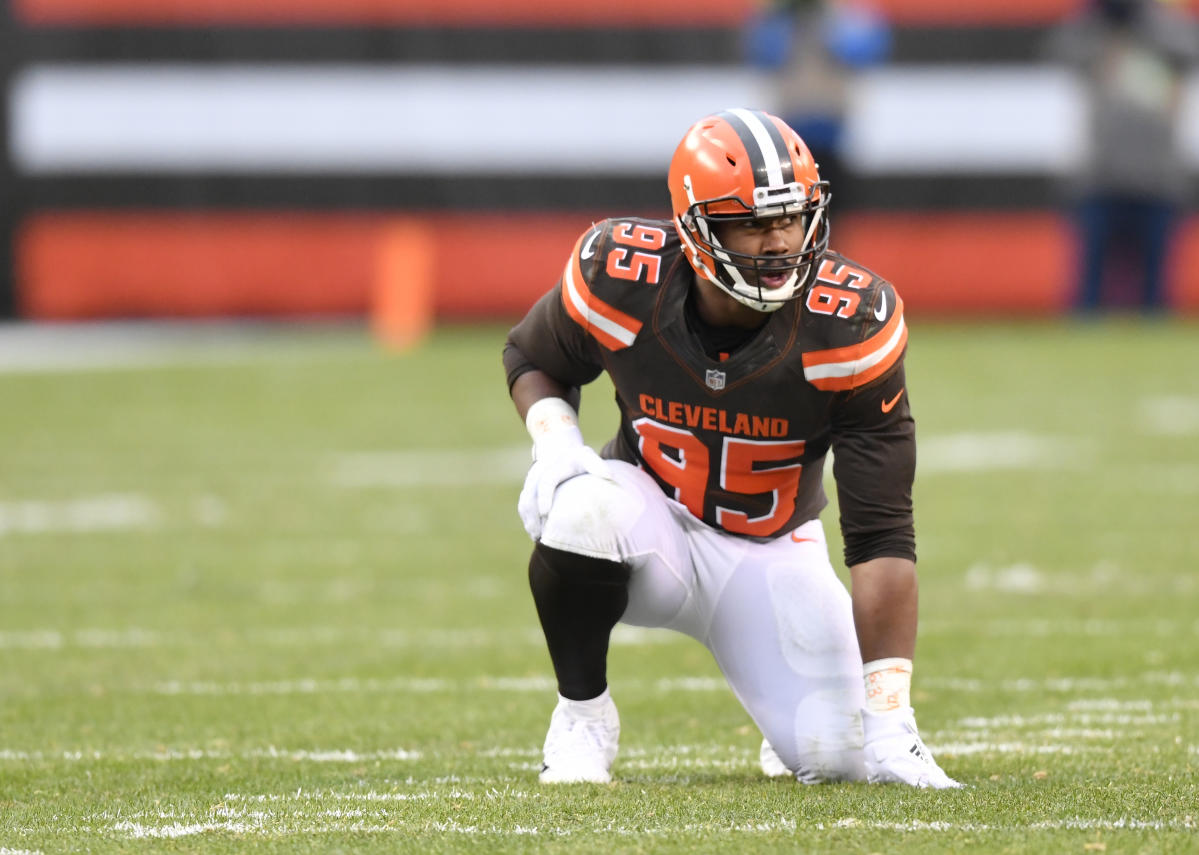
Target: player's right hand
<point>895,753</point>
<point>566,461</point>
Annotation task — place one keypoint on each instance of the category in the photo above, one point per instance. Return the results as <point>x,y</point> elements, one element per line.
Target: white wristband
<point>888,684</point>
<point>553,424</point>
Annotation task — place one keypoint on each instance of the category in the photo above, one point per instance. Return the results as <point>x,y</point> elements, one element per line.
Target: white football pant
<point>774,615</point>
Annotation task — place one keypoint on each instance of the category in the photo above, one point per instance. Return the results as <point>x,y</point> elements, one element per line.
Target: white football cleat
<point>772,766</point>
<point>895,753</point>
<point>582,742</point>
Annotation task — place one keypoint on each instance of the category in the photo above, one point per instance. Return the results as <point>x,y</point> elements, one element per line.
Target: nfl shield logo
<point>714,379</point>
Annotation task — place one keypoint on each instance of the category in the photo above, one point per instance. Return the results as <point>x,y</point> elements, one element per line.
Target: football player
<point>742,350</point>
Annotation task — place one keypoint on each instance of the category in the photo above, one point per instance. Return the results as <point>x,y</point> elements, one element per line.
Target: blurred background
<point>418,161</point>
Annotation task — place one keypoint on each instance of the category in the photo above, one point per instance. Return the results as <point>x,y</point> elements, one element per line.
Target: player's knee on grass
<point>591,516</point>
<point>827,741</point>
<point>822,766</point>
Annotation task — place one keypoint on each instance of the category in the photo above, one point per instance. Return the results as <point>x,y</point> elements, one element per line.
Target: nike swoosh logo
<point>888,406</point>
<point>589,245</point>
<point>798,539</point>
<point>881,311</point>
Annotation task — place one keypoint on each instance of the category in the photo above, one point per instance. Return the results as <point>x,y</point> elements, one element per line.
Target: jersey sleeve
<point>557,335</point>
<point>874,332</point>
<point>873,433</point>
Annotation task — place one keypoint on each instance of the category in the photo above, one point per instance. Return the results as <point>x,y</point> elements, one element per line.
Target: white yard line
<point>1061,627</point>
<point>353,685</point>
<point>313,685</point>
<point>1076,718</point>
<point>1048,733</point>
<point>271,825</point>
<point>39,348</point>
<point>433,467</point>
<point>270,752</point>
<point>104,512</point>
<point>982,451</point>
<point>1069,685</point>
<point>425,685</point>
<point>1174,415</point>
<point>119,638</point>
<point>314,636</point>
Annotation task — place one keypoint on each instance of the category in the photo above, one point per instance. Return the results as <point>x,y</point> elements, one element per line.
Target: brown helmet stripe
<point>764,144</point>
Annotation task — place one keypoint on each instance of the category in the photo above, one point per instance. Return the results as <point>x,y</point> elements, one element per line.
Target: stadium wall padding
<point>243,157</point>
<point>76,266</point>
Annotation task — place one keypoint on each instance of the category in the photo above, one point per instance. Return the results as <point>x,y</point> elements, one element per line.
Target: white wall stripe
<point>262,119</point>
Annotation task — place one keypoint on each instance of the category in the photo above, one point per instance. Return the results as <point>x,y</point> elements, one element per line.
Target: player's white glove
<point>895,753</point>
<point>559,454</point>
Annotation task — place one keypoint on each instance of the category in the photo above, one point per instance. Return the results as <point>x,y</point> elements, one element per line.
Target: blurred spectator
<point>812,48</point>
<point>1133,57</point>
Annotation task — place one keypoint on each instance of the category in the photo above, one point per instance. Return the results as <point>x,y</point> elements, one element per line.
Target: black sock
<point>579,599</point>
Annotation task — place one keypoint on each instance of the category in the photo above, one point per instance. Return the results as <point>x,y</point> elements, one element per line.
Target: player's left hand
<point>895,753</point>
<point>546,474</point>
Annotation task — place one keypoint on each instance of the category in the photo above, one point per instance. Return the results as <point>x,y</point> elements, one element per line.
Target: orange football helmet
<point>747,164</point>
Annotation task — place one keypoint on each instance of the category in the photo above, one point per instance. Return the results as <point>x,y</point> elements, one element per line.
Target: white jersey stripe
<point>861,365</point>
<point>594,319</point>
<point>774,166</point>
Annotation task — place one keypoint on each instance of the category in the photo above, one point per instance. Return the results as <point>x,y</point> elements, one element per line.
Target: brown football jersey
<point>740,439</point>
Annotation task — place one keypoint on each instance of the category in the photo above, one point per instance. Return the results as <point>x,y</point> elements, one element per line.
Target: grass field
<point>273,598</point>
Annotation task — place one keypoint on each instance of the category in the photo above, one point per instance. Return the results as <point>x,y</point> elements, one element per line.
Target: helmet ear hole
<point>730,159</point>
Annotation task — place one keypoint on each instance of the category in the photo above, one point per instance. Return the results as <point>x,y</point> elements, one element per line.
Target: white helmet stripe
<point>766,145</point>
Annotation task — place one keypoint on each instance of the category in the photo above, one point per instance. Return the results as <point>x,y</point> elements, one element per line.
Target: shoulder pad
<point>857,320</point>
<point>604,285</point>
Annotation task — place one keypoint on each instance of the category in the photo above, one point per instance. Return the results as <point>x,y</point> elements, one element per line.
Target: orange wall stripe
<point>193,265</point>
<point>534,13</point>
<point>956,12</point>
<point>979,12</point>
<point>494,265</point>
<point>973,263</point>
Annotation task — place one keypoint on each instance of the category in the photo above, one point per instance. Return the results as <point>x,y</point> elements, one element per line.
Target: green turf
<point>226,626</point>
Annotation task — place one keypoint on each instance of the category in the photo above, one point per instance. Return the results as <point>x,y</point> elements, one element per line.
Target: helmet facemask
<point>740,274</point>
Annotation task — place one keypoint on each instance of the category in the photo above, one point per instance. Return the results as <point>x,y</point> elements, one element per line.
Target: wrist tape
<point>888,684</point>
<point>553,424</point>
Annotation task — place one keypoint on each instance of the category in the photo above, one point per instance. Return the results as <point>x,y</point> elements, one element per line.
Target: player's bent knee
<point>829,738</point>
<point>591,516</point>
<point>828,765</point>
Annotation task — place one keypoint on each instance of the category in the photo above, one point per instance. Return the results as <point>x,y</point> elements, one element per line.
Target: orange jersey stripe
<point>611,327</point>
<point>847,367</point>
